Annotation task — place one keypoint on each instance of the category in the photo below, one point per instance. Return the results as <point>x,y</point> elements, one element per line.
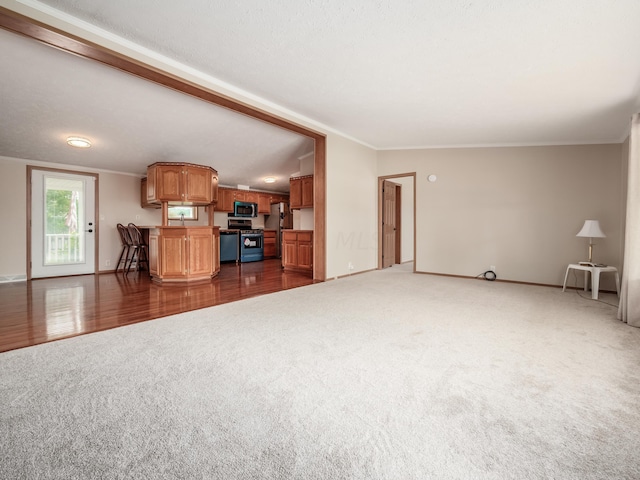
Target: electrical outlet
<point>351,267</point>
<point>492,268</point>
<point>108,263</point>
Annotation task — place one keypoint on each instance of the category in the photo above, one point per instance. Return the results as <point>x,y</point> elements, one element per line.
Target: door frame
<point>30,168</point>
<point>381,180</point>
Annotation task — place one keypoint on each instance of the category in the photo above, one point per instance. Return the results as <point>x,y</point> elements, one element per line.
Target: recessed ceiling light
<point>78,142</point>
<point>270,180</point>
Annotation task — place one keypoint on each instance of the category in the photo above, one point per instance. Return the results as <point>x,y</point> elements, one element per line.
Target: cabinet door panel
<point>168,183</point>
<point>173,256</point>
<point>264,203</point>
<point>295,193</point>
<point>214,187</point>
<point>225,202</point>
<point>289,253</point>
<point>307,192</point>
<point>200,254</point>
<point>216,252</point>
<point>144,196</point>
<point>198,185</point>
<point>153,254</point>
<point>251,197</point>
<point>305,255</point>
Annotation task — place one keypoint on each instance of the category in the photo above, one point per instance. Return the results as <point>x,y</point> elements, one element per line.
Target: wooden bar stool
<point>140,253</point>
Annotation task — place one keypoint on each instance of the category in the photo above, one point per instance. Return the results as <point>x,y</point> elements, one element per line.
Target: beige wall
<point>623,193</point>
<point>119,202</point>
<point>516,208</point>
<point>13,243</point>
<point>351,207</point>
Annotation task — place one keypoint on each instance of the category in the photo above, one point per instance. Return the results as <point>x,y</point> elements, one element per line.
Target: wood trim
<point>20,24</point>
<point>96,191</point>
<point>398,249</point>
<point>352,274</point>
<point>518,282</point>
<point>320,210</point>
<point>28,232</point>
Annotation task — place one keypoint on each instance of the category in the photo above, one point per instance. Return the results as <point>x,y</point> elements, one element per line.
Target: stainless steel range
<point>250,240</point>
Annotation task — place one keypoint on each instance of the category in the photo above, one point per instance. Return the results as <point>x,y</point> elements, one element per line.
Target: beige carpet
<point>385,375</point>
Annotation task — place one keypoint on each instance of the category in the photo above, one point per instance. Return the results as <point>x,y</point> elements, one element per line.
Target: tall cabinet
<point>183,253</point>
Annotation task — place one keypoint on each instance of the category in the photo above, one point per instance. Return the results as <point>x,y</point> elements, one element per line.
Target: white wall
<point>516,208</point>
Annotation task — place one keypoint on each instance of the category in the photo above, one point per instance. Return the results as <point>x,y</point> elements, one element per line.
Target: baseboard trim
<point>351,274</point>
<point>13,278</point>
<point>550,285</point>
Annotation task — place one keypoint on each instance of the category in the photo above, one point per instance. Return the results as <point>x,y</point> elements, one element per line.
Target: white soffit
<point>398,74</point>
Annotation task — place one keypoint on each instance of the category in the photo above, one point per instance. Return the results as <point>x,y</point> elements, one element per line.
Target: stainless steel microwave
<point>245,209</point>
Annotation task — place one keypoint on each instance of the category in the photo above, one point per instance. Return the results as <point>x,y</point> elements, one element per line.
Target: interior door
<point>63,228</point>
<point>388,223</point>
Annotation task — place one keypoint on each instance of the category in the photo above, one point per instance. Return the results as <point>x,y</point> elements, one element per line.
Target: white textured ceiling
<point>393,74</point>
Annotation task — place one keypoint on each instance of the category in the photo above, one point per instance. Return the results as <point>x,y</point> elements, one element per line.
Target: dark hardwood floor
<point>49,309</point>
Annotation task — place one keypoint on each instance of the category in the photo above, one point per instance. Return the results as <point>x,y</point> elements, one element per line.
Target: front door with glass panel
<point>63,229</point>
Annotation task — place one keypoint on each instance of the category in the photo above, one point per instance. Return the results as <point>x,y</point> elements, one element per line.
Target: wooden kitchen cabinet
<point>214,187</point>
<point>297,250</point>
<point>251,197</point>
<point>230,195</point>
<point>270,244</point>
<point>143,196</point>
<point>181,184</point>
<point>264,203</point>
<point>226,197</point>
<point>301,192</point>
<point>183,254</point>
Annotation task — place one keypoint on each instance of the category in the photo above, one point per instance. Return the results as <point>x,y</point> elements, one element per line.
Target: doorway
<point>396,219</point>
<point>62,230</point>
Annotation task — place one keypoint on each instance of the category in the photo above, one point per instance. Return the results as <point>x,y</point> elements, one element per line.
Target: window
<point>183,213</point>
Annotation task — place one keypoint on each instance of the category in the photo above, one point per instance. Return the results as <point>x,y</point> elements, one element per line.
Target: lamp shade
<point>591,229</point>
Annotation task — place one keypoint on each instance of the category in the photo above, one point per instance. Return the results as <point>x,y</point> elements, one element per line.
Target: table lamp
<point>591,229</point>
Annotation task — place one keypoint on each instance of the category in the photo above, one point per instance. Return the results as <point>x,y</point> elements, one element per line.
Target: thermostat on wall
<point>432,178</point>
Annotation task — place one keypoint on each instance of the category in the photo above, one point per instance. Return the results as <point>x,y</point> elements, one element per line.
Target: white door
<point>63,228</point>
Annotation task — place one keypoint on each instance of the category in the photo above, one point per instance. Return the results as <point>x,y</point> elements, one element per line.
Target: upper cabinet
<point>264,199</point>
<point>301,192</point>
<point>226,197</point>
<point>144,203</point>
<point>251,197</point>
<point>181,184</point>
<point>264,203</point>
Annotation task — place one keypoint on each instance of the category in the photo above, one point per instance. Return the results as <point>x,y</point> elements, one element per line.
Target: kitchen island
<point>184,253</point>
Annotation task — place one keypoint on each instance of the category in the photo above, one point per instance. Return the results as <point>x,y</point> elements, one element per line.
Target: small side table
<point>595,277</point>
